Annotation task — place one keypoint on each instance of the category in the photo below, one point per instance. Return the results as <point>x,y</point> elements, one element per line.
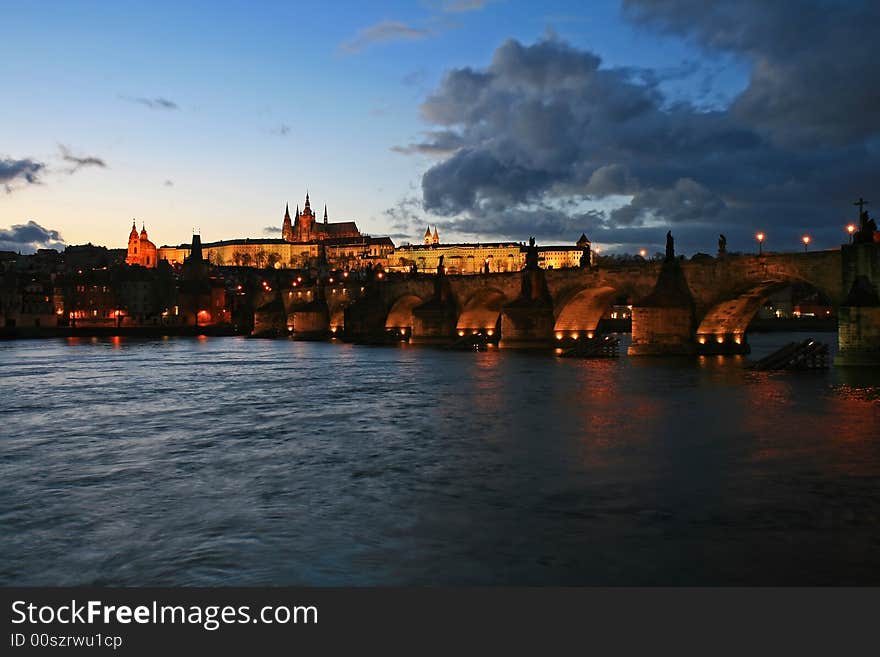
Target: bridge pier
<point>527,321</point>
<point>858,319</point>
<point>433,323</point>
<point>663,322</point>
<point>310,321</point>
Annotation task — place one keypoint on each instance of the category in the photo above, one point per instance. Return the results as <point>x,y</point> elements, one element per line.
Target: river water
<point>228,461</point>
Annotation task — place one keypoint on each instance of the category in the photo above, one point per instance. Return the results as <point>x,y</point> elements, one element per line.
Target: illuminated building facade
<point>298,248</point>
<point>466,258</point>
<point>141,251</point>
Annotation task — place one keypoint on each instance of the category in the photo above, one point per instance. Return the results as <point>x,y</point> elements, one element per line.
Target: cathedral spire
<point>286,211</point>
<point>307,205</point>
<point>325,213</point>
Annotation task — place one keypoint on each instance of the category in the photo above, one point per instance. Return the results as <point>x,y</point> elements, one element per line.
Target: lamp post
<point>760,238</point>
<point>643,252</point>
<point>806,240</point>
<point>851,229</point>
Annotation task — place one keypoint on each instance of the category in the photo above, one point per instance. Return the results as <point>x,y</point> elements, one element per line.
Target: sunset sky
<point>491,119</point>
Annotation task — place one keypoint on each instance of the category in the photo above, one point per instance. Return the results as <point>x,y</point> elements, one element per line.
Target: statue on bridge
<point>670,246</point>
<point>722,245</point>
<point>441,270</point>
<point>532,255</point>
<point>867,231</point>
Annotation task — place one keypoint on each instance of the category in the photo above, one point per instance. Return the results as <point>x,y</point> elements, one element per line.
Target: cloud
<point>406,214</point>
<point>282,130</point>
<point>814,70</point>
<point>545,133</point>
<point>383,32</point>
<point>438,143</point>
<point>25,171</point>
<point>271,230</point>
<point>27,238</point>
<point>168,183</point>
<point>80,162</point>
<point>461,6</point>
<point>157,103</point>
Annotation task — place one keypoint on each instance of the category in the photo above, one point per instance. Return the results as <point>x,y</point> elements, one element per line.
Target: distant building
<point>299,246</point>
<point>469,258</point>
<point>141,251</point>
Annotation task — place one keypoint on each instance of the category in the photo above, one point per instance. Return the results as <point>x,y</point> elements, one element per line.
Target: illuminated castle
<point>302,240</point>
<point>141,251</point>
<point>305,229</point>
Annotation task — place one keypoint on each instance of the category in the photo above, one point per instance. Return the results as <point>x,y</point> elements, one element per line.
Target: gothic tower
<point>305,223</point>
<point>286,226</point>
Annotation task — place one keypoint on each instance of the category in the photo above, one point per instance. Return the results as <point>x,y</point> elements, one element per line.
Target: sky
<point>491,119</point>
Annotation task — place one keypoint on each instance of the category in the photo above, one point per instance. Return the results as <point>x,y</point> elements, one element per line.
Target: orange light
<point>575,336</point>
<point>851,229</point>
<point>461,334</point>
<point>720,339</point>
<point>490,332</point>
<point>760,237</point>
<point>590,335</point>
<point>806,239</point>
<point>643,253</point>
<point>559,336</point>
<point>702,339</point>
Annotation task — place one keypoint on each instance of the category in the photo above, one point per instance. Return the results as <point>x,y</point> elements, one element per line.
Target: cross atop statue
<point>861,203</point>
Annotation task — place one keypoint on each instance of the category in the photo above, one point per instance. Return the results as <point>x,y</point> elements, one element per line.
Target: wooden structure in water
<point>805,355</point>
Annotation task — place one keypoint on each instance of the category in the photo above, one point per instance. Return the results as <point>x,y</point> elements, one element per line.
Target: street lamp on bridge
<point>851,229</point>
<point>806,240</point>
<point>760,238</point>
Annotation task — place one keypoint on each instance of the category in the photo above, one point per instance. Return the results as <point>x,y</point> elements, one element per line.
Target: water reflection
<point>232,461</point>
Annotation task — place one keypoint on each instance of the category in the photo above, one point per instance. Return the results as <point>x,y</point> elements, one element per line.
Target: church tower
<point>305,223</point>
<point>286,226</point>
<point>436,238</point>
<point>325,214</point>
<point>428,236</point>
<point>133,241</point>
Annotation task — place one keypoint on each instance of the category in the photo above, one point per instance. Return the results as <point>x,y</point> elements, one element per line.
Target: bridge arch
<point>482,312</point>
<point>728,319</point>
<point>581,310</point>
<point>400,315</point>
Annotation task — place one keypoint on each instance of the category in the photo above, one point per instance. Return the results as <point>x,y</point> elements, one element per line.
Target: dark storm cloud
<point>271,230</point>
<point>29,237</point>
<point>546,123</point>
<point>814,63</point>
<point>25,170</point>
<point>158,103</point>
<point>80,162</point>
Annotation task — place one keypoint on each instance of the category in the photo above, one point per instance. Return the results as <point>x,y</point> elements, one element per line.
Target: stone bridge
<point>727,292</point>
